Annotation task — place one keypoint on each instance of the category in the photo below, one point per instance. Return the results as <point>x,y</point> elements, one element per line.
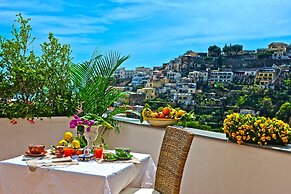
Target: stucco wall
<point>15,138</point>
<point>216,166</point>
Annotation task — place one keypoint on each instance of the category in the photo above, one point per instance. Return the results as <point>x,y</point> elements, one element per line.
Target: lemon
<point>68,136</point>
<point>76,144</point>
<point>62,143</point>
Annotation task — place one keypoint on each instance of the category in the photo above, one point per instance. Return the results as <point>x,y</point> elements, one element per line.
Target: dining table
<point>93,176</point>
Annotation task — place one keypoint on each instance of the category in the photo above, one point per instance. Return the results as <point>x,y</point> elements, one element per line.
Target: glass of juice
<point>98,151</point>
<point>68,151</point>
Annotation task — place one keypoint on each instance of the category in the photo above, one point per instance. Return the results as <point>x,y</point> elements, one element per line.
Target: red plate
<point>35,155</point>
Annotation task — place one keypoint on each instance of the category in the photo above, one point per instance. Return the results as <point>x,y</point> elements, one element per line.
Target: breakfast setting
<point>68,151</point>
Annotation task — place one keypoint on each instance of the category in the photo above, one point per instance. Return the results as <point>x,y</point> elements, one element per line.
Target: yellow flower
<point>263,127</point>
<point>285,139</point>
<point>259,143</point>
<point>281,123</point>
<point>242,132</point>
<point>256,129</point>
<point>68,136</point>
<point>239,142</point>
<point>274,136</point>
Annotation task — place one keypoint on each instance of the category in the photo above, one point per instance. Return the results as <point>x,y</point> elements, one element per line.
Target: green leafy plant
<point>284,113</point>
<point>93,83</point>
<point>33,86</point>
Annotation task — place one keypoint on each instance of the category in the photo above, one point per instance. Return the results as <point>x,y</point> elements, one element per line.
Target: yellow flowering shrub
<point>260,130</point>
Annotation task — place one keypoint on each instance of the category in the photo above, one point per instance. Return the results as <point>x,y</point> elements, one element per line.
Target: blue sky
<point>152,32</point>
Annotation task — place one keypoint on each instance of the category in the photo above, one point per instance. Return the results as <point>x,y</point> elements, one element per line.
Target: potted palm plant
<point>93,83</point>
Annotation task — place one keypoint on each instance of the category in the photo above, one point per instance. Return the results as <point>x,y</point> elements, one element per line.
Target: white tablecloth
<point>87,177</point>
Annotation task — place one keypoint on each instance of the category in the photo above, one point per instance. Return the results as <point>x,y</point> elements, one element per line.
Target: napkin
<point>33,164</point>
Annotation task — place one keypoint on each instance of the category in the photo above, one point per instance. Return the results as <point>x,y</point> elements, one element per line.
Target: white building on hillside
<point>220,76</point>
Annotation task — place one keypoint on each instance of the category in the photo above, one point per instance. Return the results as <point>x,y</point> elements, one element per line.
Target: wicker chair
<point>174,152</point>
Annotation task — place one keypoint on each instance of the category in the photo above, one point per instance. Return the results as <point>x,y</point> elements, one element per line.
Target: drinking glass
<point>68,151</point>
<point>98,151</point>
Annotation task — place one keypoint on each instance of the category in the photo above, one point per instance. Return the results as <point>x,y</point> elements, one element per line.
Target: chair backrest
<point>174,152</point>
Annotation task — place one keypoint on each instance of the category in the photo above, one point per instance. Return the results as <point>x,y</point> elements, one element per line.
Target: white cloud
<point>144,28</point>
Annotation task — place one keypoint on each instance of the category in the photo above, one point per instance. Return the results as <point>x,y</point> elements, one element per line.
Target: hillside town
<point>207,81</point>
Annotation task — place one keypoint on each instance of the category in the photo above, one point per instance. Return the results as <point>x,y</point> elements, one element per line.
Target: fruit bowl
<point>161,122</point>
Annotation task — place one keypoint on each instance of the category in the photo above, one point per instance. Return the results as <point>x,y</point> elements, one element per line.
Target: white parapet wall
<point>215,165</point>
<point>15,138</point>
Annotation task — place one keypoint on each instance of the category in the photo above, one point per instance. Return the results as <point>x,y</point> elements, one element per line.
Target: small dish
<point>110,159</point>
<point>123,149</point>
<point>28,153</point>
<point>128,157</point>
<point>36,149</point>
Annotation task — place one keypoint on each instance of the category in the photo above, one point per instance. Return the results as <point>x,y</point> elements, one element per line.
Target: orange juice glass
<point>98,151</point>
<point>68,151</point>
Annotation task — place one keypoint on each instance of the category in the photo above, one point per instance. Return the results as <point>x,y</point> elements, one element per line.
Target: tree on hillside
<point>284,112</point>
<point>264,55</point>
<point>232,49</point>
<point>266,107</point>
<point>214,51</point>
<point>237,48</point>
<point>227,50</point>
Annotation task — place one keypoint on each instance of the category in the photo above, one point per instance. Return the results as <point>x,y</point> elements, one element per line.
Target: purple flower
<point>73,122</point>
<point>76,116</point>
<point>88,129</point>
<point>86,122</point>
<point>91,122</point>
<point>79,122</point>
<point>72,126</point>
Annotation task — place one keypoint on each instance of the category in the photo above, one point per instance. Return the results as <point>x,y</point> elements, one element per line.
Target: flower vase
<point>92,135</point>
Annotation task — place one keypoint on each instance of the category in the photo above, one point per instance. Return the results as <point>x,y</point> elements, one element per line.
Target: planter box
<point>15,138</point>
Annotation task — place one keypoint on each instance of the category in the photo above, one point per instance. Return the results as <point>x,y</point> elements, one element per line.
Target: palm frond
<point>93,81</point>
<point>108,64</point>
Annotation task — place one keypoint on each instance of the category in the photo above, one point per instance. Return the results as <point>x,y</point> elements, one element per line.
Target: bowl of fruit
<point>163,116</point>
